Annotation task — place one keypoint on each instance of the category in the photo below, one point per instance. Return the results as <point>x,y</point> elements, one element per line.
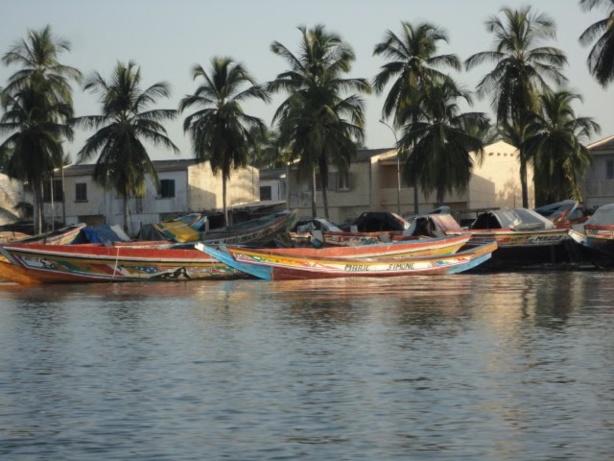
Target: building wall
<point>11,193</point>
<point>195,189</point>
<point>598,187</point>
<point>205,190</point>
<point>343,204</point>
<point>496,182</point>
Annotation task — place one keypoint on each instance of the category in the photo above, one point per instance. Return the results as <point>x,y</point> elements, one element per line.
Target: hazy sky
<point>166,38</point>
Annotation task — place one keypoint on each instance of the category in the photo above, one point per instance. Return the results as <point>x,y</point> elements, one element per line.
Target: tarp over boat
<point>518,219</point>
<point>101,234</point>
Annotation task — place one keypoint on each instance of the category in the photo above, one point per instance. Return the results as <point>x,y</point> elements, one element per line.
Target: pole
<point>396,143</point>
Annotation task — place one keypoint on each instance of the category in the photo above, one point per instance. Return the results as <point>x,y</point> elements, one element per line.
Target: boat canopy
<point>519,219</point>
<point>603,215</point>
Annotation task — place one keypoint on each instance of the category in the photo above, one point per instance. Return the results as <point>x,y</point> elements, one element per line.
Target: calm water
<point>467,367</point>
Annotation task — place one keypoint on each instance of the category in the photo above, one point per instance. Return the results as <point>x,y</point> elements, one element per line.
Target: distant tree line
<point>321,121</point>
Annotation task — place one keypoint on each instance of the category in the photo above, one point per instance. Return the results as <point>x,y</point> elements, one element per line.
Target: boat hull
<point>289,267</point>
<point>40,264</point>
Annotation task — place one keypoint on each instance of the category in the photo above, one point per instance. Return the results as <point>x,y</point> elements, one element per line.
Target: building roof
<point>367,154</point>
<point>160,166</point>
<point>605,144</point>
<point>272,174</point>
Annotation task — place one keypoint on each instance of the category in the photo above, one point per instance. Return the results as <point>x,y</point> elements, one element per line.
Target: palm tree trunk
<point>325,197</point>
<point>313,194</point>
<point>523,181</point>
<point>38,207</point>
<point>441,193</point>
<point>225,208</point>
<point>126,212</point>
<point>63,196</point>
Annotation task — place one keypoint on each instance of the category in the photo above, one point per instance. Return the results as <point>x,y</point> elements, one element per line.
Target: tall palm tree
<point>601,57</point>
<point>34,141</point>
<point>321,118</point>
<point>413,63</point>
<point>269,151</point>
<point>443,140</point>
<point>522,70</point>
<point>125,123</point>
<point>219,128</point>
<point>37,101</point>
<point>556,143</point>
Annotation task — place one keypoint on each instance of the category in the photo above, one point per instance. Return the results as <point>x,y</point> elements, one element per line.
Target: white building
<point>371,184</point>
<point>11,194</point>
<point>599,180</point>
<point>185,186</point>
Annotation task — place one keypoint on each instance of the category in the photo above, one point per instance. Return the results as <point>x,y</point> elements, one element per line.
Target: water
<point>475,367</point>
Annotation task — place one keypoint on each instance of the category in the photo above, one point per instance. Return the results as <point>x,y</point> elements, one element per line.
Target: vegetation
<point>317,120</point>
<point>442,141</point>
<point>37,102</point>
<point>219,128</point>
<point>520,75</point>
<point>321,121</point>
<point>601,57</point>
<point>413,63</point>
<point>123,162</point>
<point>556,142</point>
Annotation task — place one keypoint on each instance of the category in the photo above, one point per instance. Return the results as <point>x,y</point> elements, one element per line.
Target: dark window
<point>266,193</point>
<point>81,192</point>
<point>343,180</point>
<point>336,181</point>
<point>609,170</point>
<point>57,191</point>
<point>167,188</point>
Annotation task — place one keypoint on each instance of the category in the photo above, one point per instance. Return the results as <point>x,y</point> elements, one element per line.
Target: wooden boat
<point>31,263</point>
<point>255,231</point>
<point>523,237</point>
<point>280,266</point>
<point>62,236</point>
<point>563,214</point>
<point>597,234</point>
<point>416,246</point>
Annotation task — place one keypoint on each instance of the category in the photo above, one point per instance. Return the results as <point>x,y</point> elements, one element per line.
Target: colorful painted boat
<point>279,266</point>
<point>32,263</point>
<point>523,236</point>
<point>62,236</point>
<point>597,234</point>
<point>255,231</point>
<point>416,246</point>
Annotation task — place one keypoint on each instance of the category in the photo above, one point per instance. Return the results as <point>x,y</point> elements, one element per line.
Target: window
<point>343,180</point>
<point>337,181</point>
<point>57,191</point>
<point>266,193</point>
<point>167,188</point>
<point>609,170</point>
<point>81,192</point>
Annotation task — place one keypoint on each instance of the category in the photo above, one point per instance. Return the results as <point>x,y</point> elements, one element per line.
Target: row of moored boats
<point>271,248</point>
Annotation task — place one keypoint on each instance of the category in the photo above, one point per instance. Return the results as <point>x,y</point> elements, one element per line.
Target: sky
<point>167,38</point>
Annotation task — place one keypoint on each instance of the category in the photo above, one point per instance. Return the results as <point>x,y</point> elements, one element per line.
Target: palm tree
<point>443,141</point>
<point>601,57</point>
<point>125,123</point>
<point>413,63</point>
<point>521,71</point>
<point>219,128</point>
<point>38,103</point>
<point>320,123</point>
<point>269,151</point>
<point>556,143</point>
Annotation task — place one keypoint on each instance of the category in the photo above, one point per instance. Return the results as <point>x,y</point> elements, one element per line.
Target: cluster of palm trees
<point>321,121</point>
